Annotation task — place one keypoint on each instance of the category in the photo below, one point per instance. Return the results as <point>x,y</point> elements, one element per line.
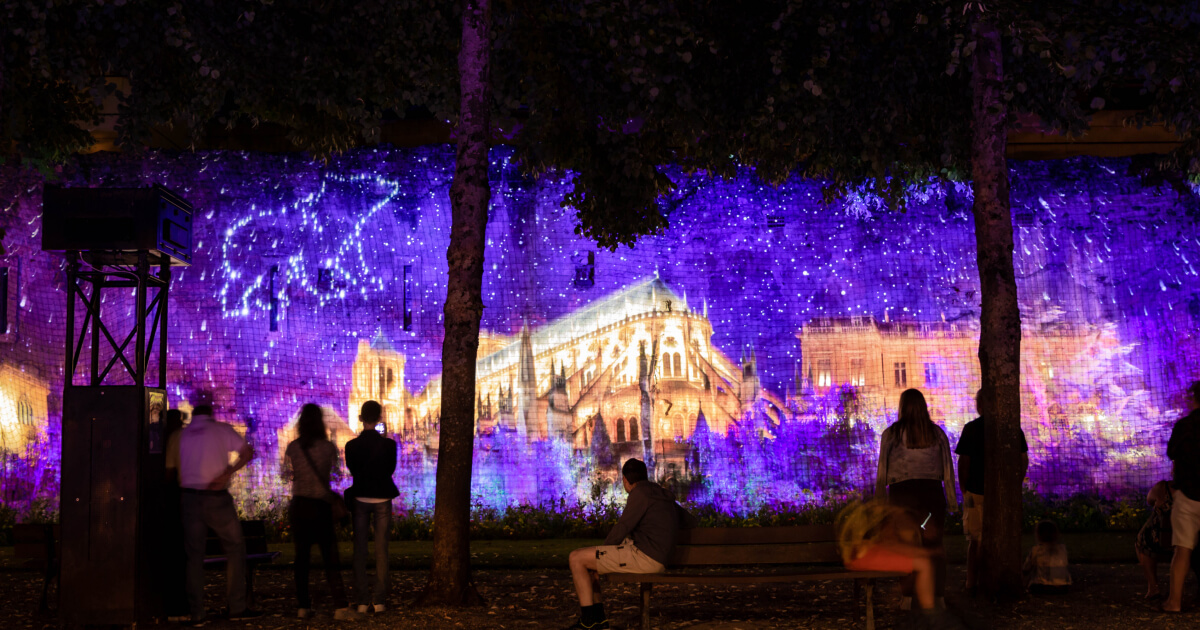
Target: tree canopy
<point>853,93</point>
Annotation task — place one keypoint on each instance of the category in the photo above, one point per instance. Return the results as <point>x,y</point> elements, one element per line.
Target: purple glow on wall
<point>761,342</point>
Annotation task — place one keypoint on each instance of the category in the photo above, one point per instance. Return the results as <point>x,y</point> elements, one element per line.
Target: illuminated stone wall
<point>753,351</point>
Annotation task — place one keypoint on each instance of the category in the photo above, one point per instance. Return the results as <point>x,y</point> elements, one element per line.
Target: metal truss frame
<point>102,272</point>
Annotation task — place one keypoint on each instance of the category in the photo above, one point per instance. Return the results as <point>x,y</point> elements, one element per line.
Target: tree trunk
<point>1000,334</point>
<point>450,577</point>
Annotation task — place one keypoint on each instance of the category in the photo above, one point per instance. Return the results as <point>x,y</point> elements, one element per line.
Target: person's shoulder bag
<point>336,502</point>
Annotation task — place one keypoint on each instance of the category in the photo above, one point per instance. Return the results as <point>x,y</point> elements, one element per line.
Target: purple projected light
<point>752,353</point>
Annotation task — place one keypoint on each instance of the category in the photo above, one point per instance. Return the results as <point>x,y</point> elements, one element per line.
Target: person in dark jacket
<point>640,542</point>
<point>371,459</point>
<point>1184,451</point>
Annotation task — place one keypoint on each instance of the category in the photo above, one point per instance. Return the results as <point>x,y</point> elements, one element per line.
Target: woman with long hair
<point>310,458</point>
<point>916,474</point>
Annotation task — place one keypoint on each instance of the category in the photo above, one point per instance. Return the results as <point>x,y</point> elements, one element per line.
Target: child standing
<point>1046,566</point>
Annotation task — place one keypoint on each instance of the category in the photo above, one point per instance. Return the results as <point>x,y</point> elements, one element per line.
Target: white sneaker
<point>380,608</point>
<point>303,613</point>
<point>345,614</point>
<point>362,609</point>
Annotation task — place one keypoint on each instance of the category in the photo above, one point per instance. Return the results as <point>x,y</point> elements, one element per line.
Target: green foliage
<point>1086,513</point>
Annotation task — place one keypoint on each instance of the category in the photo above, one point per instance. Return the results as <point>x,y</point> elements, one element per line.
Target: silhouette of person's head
<point>979,395</point>
<point>370,413</point>
<point>202,410</point>
<point>174,421</point>
<point>633,471</point>
<point>1046,532</point>
<point>311,425</point>
<point>1194,396</point>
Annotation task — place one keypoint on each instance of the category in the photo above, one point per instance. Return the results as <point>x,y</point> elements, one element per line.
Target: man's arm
<point>245,454</point>
<point>392,456</point>
<point>1173,444</point>
<point>964,468</point>
<point>948,483</point>
<point>635,509</point>
<point>881,474</point>
<point>352,456</point>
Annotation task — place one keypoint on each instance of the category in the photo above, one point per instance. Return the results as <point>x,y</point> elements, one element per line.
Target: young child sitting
<point>874,536</point>
<point>1046,567</point>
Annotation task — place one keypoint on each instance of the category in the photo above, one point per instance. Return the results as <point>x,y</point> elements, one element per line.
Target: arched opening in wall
<point>391,380</point>
<point>666,364</point>
<point>633,429</point>
<point>620,430</point>
<point>678,365</point>
<point>24,412</point>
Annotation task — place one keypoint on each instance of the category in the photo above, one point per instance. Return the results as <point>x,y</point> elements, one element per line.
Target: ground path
<point>1108,595</point>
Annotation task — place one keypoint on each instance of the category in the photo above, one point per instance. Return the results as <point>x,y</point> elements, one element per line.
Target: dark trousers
<point>312,524</point>
<point>925,502</point>
<point>213,510</point>
<point>174,558</point>
<point>366,515</point>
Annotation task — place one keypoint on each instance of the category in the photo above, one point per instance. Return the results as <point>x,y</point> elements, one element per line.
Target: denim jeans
<point>312,524</point>
<point>381,515</point>
<point>201,512</point>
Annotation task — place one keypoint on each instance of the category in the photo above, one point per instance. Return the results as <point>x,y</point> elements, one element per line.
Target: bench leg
<point>645,588</point>
<point>869,587</point>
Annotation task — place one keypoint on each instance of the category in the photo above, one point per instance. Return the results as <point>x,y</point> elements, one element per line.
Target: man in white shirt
<point>204,473</point>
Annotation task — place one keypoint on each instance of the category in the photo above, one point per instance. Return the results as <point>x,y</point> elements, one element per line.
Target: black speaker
<point>111,505</point>
<point>118,220</point>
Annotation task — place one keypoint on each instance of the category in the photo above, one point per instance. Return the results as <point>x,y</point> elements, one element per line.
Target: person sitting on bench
<point>640,542</point>
<point>876,536</point>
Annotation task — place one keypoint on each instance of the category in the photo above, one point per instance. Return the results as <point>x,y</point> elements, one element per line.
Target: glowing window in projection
<point>824,372</point>
<point>25,412</point>
<point>900,370</point>
<point>620,430</point>
<point>858,372</point>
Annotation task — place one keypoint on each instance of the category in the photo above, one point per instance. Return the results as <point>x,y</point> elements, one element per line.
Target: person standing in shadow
<point>1184,451</point>
<point>916,469</point>
<point>371,459</point>
<point>972,477</point>
<point>310,459</point>
<point>174,563</point>
<point>204,475</point>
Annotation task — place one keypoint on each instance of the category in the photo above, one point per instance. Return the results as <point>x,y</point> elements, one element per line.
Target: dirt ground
<point>1105,596</point>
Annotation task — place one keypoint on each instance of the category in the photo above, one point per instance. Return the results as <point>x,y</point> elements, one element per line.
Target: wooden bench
<point>765,548</point>
<point>37,545</point>
<point>255,533</point>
